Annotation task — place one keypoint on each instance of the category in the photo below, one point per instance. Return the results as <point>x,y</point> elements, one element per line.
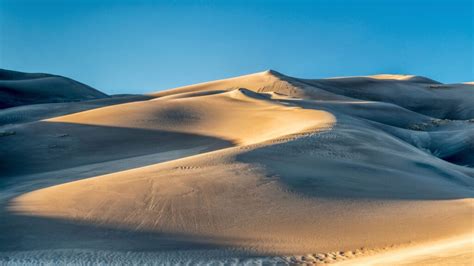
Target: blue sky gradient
<point>144,46</point>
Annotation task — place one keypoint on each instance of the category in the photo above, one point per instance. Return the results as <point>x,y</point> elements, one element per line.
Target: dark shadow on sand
<point>43,149</point>
<point>333,165</point>
<point>22,233</point>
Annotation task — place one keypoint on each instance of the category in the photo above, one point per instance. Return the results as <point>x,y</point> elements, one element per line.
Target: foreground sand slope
<point>283,167</point>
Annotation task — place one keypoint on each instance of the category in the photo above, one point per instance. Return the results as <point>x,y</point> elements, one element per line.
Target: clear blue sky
<point>143,46</point>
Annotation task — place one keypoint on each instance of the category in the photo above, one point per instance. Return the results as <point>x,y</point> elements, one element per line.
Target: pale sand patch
<point>454,251</point>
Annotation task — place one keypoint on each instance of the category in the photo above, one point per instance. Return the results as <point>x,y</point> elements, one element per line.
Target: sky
<point>126,46</point>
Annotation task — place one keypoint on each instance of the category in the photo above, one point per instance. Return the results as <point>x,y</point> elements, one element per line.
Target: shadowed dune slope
<point>265,164</point>
<point>36,112</point>
<point>18,88</point>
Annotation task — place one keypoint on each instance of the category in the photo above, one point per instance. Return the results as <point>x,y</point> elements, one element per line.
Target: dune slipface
<point>258,168</point>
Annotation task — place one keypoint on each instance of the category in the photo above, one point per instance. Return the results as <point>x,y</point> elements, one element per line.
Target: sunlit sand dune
<point>263,168</point>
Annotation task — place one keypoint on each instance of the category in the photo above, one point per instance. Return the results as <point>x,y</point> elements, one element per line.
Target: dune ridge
<point>263,165</point>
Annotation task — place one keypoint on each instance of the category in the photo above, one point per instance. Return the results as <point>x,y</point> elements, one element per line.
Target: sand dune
<point>265,167</point>
<point>36,112</point>
<point>18,88</point>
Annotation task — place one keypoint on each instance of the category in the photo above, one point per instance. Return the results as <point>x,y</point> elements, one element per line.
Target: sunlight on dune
<point>263,165</point>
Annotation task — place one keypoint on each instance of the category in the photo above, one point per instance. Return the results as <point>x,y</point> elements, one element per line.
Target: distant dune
<point>18,88</point>
<point>262,168</point>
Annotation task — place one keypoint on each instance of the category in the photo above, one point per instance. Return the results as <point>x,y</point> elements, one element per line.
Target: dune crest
<point>411,78</point>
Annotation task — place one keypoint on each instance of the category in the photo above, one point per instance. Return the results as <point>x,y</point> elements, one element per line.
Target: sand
<point>19,88</point>
<point>262,168</point>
